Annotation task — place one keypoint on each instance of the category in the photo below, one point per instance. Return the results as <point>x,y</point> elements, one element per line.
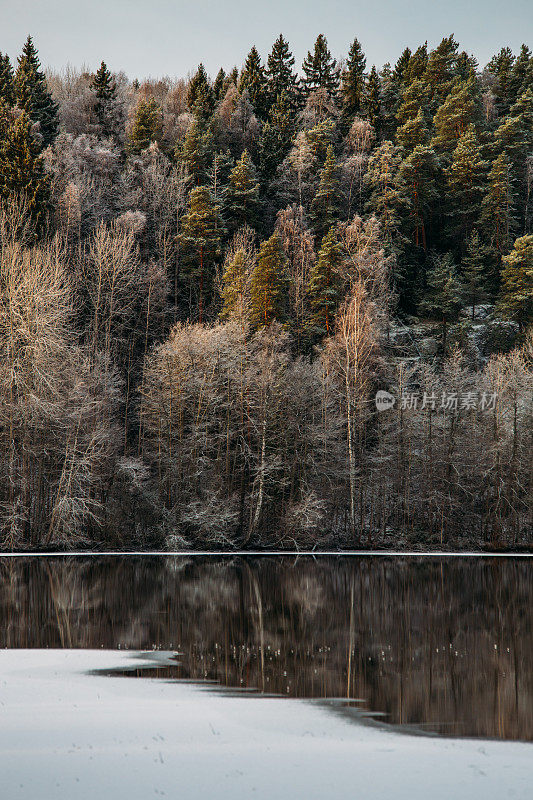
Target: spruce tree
<point>281,77</point>
<point>520,73</point>
<point>320,68</point>
<point>199,240</point>
<point>218,174</point>
<point>466,180</point>
<point>22,172</point>
<point>269,284</point>
<point>353,81</point>
<point>219,86</point>
<point>326,202</point>
<point>32,93</point>
<point>390,99</point>
<point>196,152</point>
<point>276,137</point>
<point>242,194</point>
<point>399,73</point>
<point>231,78</point>
<point>145,127</point>
<point>253,80</point>
<point>324,290</point>
<point>105,90</point>
<point>200,96</point>
<point>516,294</point>
<point>372,101</point>
<point>443,296</point>
<point>474,273</point>
<point>7,81</point>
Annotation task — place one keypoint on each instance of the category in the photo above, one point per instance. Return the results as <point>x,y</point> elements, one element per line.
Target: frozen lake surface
<point>402,678</point>
<point>70,735</point>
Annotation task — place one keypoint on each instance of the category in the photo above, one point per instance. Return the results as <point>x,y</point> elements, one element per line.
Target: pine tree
<point>199,240</point>
<point>326,203</point>
<point>414,98</point>
<point>280,74</point>
<point>253,80</point>
<point>105,90</point>
<point>516,295</point>
<point>145,127</point>
<point>276,137</point>
<point>474,275</point>
<point>269,284</point>
<point>22,172</point>
<point>417,64</point>
<point>200,97</point>
<point>32,93</point>
<point>413,133</point>
<point>417,180</point>
<point>443,296</point>
<point>501,66</point>
<point>319,138</point>
<point>242,194</point>
<point>320,68</point>
<point>466,66</point>
<point>324,290</point>
<point>7,81</point>
<point>353,81</point>
<point>235,286</point>
<point>385,199</point>
<point>6,118</point>
<point>461,108</point>
<point>514,137</point>
<point>498,215</point>
<point>196,152</point>
<point>466,178</point>
<point>372,101</point>
<point>441,70</point>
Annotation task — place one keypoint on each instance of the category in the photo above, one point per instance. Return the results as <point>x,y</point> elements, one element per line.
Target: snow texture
<point>69,735</point>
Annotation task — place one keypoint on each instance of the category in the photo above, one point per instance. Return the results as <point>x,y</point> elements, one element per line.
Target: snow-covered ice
<point>69,735</point>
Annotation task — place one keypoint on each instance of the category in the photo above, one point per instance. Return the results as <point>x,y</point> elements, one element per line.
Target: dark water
<point>444,644</point>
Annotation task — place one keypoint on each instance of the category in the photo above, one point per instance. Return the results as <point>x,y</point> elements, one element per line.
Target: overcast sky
<point>170,37</point>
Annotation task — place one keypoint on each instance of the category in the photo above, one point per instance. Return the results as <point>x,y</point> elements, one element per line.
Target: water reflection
<point>443,644</point>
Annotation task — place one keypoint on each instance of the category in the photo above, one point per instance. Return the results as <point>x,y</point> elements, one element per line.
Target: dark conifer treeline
<point>205,281</point>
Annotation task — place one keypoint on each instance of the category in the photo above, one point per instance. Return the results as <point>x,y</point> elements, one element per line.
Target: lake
<point>440,645</point>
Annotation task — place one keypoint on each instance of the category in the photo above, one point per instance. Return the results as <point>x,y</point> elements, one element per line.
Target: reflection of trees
<point>445,644</point>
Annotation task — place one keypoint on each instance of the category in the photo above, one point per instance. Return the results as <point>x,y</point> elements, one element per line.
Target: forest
<point>209,284</point>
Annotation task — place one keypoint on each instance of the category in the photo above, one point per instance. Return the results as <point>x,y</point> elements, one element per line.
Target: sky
<point>153,38</point>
